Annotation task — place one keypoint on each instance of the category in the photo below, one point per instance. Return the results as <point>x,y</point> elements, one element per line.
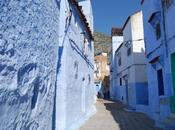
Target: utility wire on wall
<point>125,42</point>
<point>133,40</point>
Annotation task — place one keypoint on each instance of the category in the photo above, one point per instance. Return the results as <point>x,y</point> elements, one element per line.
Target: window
<point>128,46</point>
<point>168,3</point>
<point>89,78</point>
<point>129,51</point>
<point>119,61</point>
<point>155,21</point>
<point>120,81</point>
<point>160,82</point>
<point>158,31</point>
<point>76,69</point>
<point>85,46</point>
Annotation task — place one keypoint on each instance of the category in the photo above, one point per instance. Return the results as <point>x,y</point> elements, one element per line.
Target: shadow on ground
<point>129,120</point>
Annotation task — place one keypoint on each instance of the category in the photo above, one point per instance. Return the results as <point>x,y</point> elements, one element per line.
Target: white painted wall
<point>127,32</point>
<point>116,42</point>
<point>133,31</point>
<point>143,76</point>
<point>87,10</point>
<point>137,26</point>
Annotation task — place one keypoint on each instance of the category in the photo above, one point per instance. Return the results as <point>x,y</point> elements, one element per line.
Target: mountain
<point>102,43</point>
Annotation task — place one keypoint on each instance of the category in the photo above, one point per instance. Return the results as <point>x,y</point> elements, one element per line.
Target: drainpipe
<point>164,27</point>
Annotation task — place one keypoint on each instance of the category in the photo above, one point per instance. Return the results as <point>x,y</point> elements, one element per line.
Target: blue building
<point>160,53</point>
<point>129,73</point>
<point>46,64</point>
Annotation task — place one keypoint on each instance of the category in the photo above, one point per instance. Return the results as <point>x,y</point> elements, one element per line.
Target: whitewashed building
<point>117,40</point>
<point>46,64</point>
<point>160,52</point>
<point>131,80</point>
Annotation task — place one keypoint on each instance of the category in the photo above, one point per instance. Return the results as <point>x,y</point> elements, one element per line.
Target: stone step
<point>170,121</point>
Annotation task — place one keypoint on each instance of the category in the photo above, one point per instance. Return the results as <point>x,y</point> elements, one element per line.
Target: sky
<point>112,13</point>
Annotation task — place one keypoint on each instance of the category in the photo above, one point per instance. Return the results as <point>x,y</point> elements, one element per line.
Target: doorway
<point>160,82</point>
<point>127,98</point>
<point>83,97</point>
<point>173,79</point>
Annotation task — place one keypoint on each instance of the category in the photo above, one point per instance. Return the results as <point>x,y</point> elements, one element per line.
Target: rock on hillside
<point>102,43</point>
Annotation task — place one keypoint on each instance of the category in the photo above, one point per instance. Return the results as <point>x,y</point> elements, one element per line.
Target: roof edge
<point>82,18</point>
<point>129,19</point>
<point>116,31</point>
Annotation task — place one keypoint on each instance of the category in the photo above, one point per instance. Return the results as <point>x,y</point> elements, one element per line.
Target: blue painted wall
<point>46,78</point>
<point>141,93</point>
<point>159,105</point>
<point>75,83</point>
<point>29,32</point>
<point>137,94</point>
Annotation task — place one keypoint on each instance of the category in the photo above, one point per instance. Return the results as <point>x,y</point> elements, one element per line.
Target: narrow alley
<point>87,65</point>
<point>113,116</point>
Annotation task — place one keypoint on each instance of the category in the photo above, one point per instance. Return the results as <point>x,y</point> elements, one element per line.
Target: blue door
<point>160,82</point>
<point>126,83</point>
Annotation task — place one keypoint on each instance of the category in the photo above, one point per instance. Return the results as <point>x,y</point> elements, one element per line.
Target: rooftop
<point>116,32</point>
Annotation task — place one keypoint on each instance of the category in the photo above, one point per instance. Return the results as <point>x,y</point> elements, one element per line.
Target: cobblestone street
<point>112,116</point>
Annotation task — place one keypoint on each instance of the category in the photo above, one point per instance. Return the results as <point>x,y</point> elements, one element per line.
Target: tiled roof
<point>82,17</point>
<point>116,32</point>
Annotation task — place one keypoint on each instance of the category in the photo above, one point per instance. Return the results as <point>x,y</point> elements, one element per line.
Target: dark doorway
<point>160,82</point>
<point>173,78</point>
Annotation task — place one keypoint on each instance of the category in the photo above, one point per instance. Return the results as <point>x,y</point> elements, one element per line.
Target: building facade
<point>101,66</point>
<point>131,80</point>
<point>117,40</point>
<point>101,74</point>
<point>75,77</point>
<point>46,73</point>
<point>160,51</point>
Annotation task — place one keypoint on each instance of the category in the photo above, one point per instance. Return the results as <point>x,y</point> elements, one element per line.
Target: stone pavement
<point>112,116</point>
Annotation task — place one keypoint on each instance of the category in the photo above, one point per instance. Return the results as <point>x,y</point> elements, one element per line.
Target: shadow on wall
<point>129,120</point>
